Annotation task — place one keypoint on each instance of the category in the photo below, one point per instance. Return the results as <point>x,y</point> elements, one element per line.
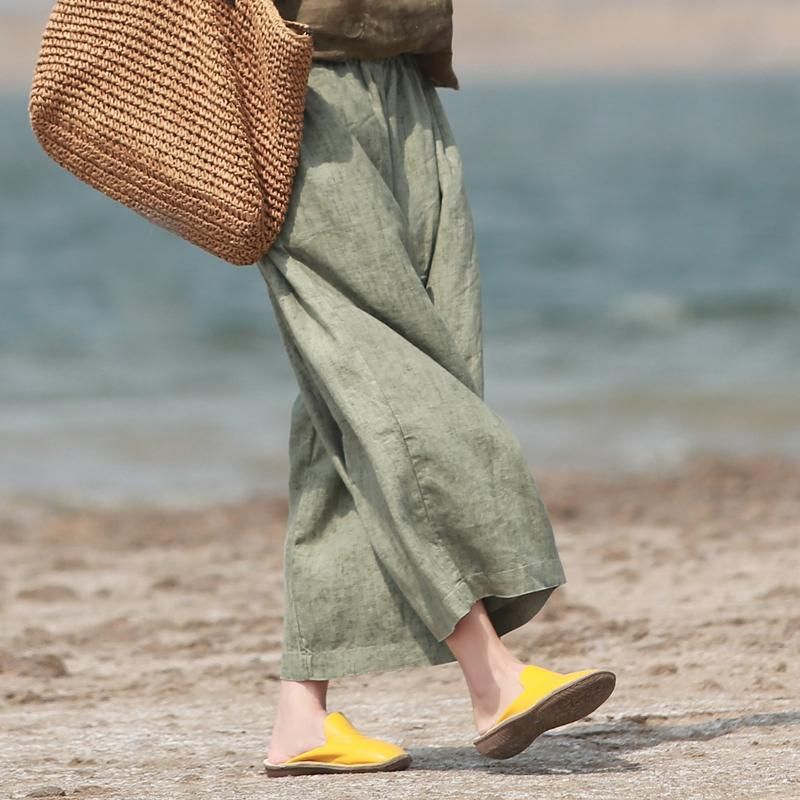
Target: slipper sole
<point>568,703</point>
<point>319,767</point>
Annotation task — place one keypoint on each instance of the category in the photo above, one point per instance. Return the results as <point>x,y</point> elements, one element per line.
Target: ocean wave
<point>650,310</point>
<point>665,311</point>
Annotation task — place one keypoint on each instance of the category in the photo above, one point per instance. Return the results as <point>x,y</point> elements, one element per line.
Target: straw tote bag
<point>190,112</point>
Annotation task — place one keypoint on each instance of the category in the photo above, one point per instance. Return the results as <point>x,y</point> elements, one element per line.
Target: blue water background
<point>639,241</point>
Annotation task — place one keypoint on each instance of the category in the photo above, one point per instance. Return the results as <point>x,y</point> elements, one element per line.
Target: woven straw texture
<point>190,112</point>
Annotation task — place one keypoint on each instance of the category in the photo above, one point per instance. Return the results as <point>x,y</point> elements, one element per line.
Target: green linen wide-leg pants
<point>409,498</point>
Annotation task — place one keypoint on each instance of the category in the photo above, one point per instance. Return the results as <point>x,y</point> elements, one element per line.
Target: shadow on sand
<point>593,748</point>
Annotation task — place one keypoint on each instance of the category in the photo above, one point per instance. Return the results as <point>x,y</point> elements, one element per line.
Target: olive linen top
<point>345,29</point>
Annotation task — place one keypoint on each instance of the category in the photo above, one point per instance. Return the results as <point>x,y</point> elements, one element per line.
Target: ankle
<point>301,702</point>
<point>496,679</point>
<point>298,726</point>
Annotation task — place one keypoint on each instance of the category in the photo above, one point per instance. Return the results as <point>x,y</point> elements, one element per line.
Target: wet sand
<point>139,650</point>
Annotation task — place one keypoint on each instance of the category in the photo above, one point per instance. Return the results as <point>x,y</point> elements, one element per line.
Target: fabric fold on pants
<point>409,497</point>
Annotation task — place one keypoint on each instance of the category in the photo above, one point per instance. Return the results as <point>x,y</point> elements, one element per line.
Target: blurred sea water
<point>639,242</point>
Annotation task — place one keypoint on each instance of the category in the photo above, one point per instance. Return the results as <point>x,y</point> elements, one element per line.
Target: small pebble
<point>47,791</point>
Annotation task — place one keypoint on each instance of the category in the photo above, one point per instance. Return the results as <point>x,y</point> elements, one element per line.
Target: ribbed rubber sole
<point>318,767</point>
<point>566,704</point>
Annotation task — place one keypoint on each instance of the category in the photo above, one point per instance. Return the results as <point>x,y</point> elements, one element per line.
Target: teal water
<point>640,250</point>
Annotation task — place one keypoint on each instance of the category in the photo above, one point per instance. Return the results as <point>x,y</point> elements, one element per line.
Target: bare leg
<point>302,705</point>
<point>490,670</point>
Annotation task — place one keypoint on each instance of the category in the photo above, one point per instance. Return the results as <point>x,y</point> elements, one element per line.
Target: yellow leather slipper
<point>345,750</point>
<point>548,699</point>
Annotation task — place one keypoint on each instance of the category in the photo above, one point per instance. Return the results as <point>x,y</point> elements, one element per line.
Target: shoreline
<point>551,38</point>
<point>595,480</point>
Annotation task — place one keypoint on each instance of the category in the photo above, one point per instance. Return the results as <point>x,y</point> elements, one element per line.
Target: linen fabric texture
<point>409,497</point>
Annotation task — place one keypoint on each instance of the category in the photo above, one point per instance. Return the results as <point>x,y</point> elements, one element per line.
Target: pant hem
<point>509,608</point>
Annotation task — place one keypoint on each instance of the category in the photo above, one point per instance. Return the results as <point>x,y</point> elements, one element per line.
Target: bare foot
<point>489,700</point>
<point>295,735</point>
<point>299,719</point>
<point>490,669</point>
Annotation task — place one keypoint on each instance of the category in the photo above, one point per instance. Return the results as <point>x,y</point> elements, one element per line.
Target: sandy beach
<point>140,645</point>
<point>139,650</point>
